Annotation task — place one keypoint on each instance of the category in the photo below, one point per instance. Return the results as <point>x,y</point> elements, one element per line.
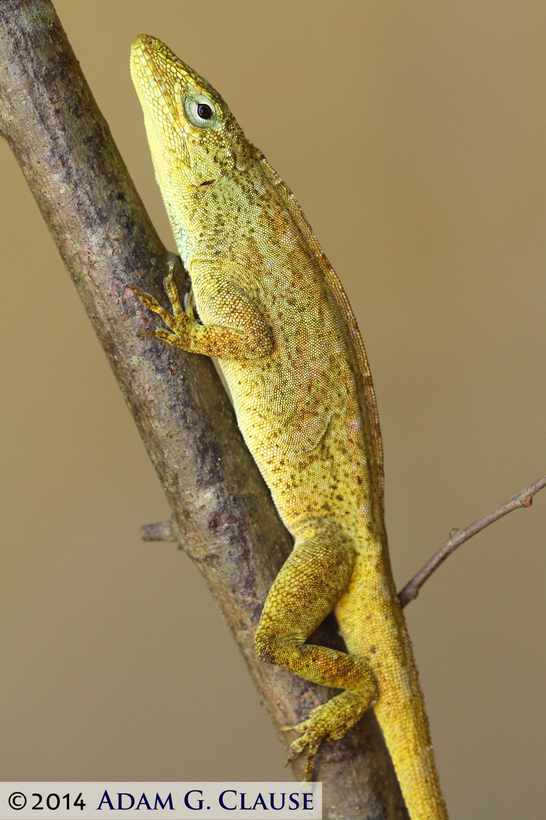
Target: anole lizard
<point>266,302</point>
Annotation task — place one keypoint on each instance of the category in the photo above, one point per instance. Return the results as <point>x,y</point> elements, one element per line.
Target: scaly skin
<point>271,309</point>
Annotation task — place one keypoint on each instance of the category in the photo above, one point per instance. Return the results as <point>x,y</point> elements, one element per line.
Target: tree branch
<point>222,510</point>
<point>458,537</point>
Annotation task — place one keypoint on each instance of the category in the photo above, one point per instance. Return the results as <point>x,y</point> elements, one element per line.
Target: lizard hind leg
<point>311,582</point>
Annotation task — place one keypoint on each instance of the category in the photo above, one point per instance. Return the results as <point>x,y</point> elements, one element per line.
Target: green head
<point>193,135</point>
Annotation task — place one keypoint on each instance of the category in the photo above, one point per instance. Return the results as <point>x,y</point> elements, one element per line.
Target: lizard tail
<point>400,712</point>
<point>381,637</point>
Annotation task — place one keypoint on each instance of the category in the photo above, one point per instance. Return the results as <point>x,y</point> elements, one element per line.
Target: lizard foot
<point>330,721</point>
<point>178,321</point>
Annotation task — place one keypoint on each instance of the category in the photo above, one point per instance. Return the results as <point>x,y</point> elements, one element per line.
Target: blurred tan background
<point>414,136</point>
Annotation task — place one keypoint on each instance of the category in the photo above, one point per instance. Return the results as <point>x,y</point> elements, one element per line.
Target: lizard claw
<point>298,746</point>
<point>330,721</point>
<point>171,338</point>
<point>172,292</point>
<point>177,321</point>
<point>151,303</point>
<point>309,738</point>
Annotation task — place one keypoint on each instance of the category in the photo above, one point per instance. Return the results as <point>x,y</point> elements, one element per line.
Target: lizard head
<point>193,135</point>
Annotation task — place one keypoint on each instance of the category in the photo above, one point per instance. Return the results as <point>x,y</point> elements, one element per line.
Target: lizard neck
<point>210,218</point>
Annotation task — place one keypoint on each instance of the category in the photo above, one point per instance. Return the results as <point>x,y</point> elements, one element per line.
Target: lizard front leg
<point>241,331</point>
<point>312,580</point>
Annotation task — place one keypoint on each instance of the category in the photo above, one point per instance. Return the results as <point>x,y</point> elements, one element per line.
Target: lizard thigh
<point>312,580</point>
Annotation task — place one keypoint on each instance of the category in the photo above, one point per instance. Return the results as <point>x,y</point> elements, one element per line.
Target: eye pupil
<point>204,111</point>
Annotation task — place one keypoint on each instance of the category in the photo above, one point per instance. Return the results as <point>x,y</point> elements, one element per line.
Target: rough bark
<point>222,512</point>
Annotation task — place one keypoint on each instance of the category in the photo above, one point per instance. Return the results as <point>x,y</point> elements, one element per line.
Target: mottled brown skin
<point>271,309</point>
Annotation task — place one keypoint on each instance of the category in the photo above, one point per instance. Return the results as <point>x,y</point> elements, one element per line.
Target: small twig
<point>456,538</point>
<point>162,531</point>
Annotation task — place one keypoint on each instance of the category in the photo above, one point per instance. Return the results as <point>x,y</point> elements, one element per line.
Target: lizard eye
<point>201,111</point>
<point>204,111</point>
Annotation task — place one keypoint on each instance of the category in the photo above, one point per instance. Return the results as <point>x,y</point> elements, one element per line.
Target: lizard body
<point>272,310</point>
